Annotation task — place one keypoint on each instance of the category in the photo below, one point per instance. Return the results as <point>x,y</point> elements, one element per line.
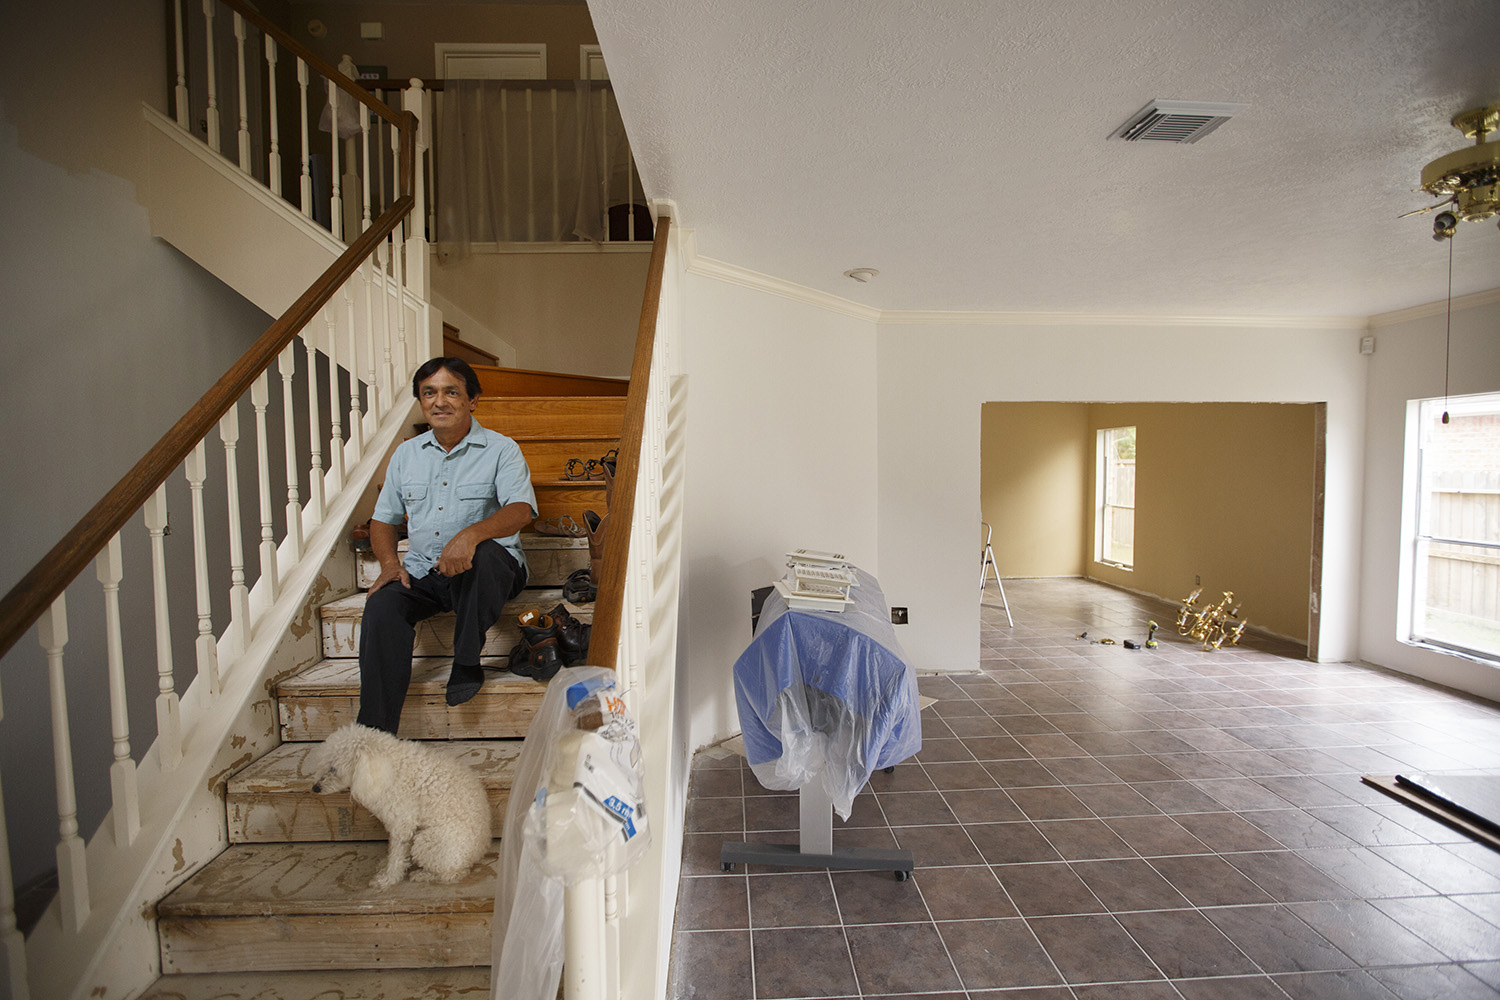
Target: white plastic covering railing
<point>305,416</point>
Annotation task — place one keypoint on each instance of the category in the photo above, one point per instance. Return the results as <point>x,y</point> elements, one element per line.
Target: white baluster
<point>612,895</point>
<point>213,83</point>
<point>556,175</point>
<point>364,138</point>
<point>239,594</point>
<point>273,167</point>
<point>530,173</point>
<point>335,407</point>
<point>583,941</point>
<point>415,101</point>
<point>336,203</point>
<point>314,436</point>
<point>398,361</point>
<point>260,397</point>
<point>168,714</point>
<point>366,274</point>
<point>380,125</point>
<point>184,114</point>
<point>72,866</point>
<point>195,467</point>
<point>109,568</point>
<point>287,365</point>
<point>12,942</point>
<point>244,133</point>
<point>387,375</point>
<point>356,407</point>
<point>306,192</point>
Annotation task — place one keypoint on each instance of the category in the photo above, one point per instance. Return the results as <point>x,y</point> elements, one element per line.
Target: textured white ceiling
<point>960,147</point>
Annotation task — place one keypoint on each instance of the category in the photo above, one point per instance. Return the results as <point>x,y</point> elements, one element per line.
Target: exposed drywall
<point>934,379</point>
<point>1033,483</point>
<point>1408,364</point>
<point>111,335</point>
<point>781,422</point>
<point>411,29</point>
<point>1223,491</point>
<point>571,312</point>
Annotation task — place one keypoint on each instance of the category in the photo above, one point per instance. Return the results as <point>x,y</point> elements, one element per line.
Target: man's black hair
<point>457,366</point>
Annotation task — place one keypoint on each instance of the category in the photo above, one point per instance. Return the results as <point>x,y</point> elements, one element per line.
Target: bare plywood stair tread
<point>272,799</point>
<point>325,696</point>
<point>290,879</point>
<point>363,984</point>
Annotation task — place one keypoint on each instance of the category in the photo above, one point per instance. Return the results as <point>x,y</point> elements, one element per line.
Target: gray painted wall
<point>109,336</point>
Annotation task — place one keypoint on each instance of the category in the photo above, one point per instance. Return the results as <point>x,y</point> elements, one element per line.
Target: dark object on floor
<point>1151,635</point>
<point>1131,645</point>
<point>1462,818</point>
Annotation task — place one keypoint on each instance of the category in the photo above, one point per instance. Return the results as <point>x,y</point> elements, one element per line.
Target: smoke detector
<point>1176,121</point>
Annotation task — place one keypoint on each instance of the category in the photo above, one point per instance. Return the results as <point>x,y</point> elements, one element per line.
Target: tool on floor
<point>986,565</point>
<point>1151,635</point>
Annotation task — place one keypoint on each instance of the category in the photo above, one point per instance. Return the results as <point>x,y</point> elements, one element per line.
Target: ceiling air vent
<point>1176,121</point>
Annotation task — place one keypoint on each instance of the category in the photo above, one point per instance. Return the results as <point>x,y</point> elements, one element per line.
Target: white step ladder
<point>986,566</point>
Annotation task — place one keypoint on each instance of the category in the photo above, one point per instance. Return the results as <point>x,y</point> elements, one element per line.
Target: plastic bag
<point>576,812</point>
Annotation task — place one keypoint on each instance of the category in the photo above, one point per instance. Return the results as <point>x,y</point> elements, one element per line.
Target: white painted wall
<point>1408,364</point>
<point>934,378</point>
<point>109,336</point>
<point>781,454</point>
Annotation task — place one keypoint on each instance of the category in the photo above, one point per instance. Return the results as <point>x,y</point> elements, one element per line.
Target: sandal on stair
<point>563,527</point>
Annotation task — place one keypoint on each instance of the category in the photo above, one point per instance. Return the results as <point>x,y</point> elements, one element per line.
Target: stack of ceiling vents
<point>817,581</point>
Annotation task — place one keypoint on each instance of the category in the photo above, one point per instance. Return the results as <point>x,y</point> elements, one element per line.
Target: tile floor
<point>1092,822</point>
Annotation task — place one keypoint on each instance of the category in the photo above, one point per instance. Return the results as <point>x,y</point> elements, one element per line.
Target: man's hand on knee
<point>389,573</point>
<point>458,555</point>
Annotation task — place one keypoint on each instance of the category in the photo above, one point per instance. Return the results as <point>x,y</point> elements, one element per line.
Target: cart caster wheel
<point>902,876</point>
<point>727,866</point>
<point>889,770</point>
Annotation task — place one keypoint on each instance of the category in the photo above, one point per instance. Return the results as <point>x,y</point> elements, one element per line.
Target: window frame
<point>1105,504</point>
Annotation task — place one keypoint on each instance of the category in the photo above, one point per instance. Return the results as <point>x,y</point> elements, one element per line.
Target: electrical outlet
<point>1197,580</point>
<point>898,616</point>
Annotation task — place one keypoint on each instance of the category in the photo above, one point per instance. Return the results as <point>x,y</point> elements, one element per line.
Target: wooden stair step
<point>550,559</point>
<point>346,984</point>
<point>516,416</point>
<point>500,381</point>
<point>341,623</point>
<point>325,696</point>
<point>276,907</point>
<point>272,801</point>
<point>547,457</point>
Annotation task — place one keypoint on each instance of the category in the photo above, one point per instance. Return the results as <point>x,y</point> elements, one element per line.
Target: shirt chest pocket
<point>476,500</point>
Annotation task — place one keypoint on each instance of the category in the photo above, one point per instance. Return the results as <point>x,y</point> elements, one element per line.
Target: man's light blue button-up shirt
<point>440,493</point>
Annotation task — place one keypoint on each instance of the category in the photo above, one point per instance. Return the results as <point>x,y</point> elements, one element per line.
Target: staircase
<point>286,910</point>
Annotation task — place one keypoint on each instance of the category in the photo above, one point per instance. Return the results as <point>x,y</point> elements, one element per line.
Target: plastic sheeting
<point>826,696</point>
<point>576,812</point>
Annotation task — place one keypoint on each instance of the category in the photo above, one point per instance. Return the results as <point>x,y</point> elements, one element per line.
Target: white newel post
<point>287,365</point>
<point>213,83</point>
<point>244,130</point>
<point>184,114</point>
<point>109,568</point>
<point>314,435</point>
<point>12,942</point>
<point>168,709</point>
<point>195,467</point>
<point>412,100</point>
<point>238,630</point>
<point>260,397</point>
<point>273,163</point>
<point>72,865</point>
<point>583,941</point>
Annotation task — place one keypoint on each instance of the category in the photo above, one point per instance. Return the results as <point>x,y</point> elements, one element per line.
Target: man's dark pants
<point>388,630</point>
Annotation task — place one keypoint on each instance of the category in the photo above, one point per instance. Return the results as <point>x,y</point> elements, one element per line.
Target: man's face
<point>445,401</point>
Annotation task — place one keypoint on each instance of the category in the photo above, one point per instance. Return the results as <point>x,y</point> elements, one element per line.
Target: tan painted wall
<point>411,29</point>
<point>571,312</point>
<point>1223,491</point>
<point>1033,484</point>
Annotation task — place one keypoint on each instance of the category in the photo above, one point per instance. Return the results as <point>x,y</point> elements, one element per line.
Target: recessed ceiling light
<point>861,274</point>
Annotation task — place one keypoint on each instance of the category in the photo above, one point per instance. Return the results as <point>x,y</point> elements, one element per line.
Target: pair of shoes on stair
<point>548,643</point>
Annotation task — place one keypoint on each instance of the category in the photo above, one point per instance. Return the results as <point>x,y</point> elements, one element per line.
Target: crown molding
<point>736,275</point>
<point>1471,301</point>
<point>919,317</point>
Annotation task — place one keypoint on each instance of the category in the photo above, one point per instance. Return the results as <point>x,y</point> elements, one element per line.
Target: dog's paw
<point>383,881</point>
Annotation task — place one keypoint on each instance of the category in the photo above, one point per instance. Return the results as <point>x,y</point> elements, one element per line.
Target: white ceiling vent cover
<point>1176,121</point>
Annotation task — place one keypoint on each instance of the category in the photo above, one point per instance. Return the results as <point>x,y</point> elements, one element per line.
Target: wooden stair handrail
<point>302,52</point>
<point>24,604</point>
<point>609,604</point>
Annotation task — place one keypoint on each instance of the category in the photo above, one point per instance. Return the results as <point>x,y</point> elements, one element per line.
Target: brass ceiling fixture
<point>1467,179</point>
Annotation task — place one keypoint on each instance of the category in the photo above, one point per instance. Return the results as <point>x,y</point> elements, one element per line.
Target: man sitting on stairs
<point>465,494</point>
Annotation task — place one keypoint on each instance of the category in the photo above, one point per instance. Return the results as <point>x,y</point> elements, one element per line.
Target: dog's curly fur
<point>434,809</point>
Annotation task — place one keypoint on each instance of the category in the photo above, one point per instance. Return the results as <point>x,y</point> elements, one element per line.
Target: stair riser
<point>323,941</point>
<point>302,817</point>
<point>582,426</point>
<point>485,717</point>
<point>340,624</point>
<point>548,458</point>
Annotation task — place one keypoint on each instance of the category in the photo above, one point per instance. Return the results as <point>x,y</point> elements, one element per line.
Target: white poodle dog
<point>435,809</point>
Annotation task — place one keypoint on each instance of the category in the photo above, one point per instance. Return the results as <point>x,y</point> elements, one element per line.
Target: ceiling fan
<point>1467,179</point>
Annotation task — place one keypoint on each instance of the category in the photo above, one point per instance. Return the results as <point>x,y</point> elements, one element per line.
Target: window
<point>1114,521</point>
<point>1451,566</point>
